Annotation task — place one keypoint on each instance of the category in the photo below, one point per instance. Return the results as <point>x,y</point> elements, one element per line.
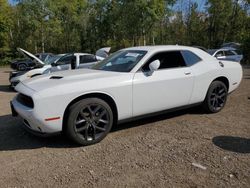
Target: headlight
<point>25,100</point>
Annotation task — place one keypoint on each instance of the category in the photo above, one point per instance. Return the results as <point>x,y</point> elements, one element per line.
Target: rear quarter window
<point>190,58</point>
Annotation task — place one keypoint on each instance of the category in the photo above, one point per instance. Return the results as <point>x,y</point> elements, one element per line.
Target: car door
<point>168,87</point>
<point>86,61</point>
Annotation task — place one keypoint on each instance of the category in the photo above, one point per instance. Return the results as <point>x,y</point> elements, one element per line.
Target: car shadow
<point>14,137</point>
<point>156,118</point>
<point>234,144</point>
<point>7,89</point>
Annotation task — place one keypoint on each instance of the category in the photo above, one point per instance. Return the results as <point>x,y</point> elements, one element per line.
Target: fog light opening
<point>40,129</point>
<point>26,123</point>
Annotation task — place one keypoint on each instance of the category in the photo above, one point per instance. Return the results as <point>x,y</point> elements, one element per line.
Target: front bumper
<point>13,78</point>
<point>28,128</point>
<point>32,123</point>
<point>12,74</point>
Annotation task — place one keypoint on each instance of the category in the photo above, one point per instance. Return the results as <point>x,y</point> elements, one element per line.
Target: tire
<point>22,67</point>
<point>89,121</point>
<point>216,97</point>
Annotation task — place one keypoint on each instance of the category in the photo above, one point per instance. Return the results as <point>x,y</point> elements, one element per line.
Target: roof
<point>152,49</point>
<point>82,54</point>
<point>161,47</point>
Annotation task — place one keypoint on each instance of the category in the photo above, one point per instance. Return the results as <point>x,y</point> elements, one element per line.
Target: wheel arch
<point>104,96</point>
<point>223,79</point>
<point>22,63</point>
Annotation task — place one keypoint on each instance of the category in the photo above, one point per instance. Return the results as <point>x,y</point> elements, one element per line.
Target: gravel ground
<point>182,149</point>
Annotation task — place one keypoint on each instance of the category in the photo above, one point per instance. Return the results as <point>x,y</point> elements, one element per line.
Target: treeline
<point>85,25</point>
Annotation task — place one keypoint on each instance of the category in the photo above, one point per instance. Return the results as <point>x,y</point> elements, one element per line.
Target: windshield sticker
<point>132,54</point>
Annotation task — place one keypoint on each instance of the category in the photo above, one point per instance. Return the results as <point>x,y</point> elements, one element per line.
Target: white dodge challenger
<point>130,83</point>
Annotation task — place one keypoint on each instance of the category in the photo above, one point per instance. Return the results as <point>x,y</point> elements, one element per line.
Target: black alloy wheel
<point>216,97</point>
<point>89,121</point>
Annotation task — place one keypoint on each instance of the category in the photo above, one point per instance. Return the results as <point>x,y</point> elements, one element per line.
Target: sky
<point>178,5</point>
<point>12,2</point>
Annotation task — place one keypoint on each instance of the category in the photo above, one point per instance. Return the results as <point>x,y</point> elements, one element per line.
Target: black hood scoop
<point>56,77</point>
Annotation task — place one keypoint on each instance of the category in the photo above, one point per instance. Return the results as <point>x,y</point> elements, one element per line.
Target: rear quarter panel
<point>207,71</point>
<point>233,71</point>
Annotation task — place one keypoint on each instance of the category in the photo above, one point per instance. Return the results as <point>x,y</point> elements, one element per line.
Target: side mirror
<point>153,66</point>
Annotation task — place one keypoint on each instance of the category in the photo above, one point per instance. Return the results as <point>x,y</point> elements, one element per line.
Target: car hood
<point>66,77</point>
<point>30,55</point>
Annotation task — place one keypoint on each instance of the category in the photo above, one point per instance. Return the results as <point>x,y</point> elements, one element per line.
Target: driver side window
<point>66,60</point>
<point>170,59</point>
<point>219,54</point>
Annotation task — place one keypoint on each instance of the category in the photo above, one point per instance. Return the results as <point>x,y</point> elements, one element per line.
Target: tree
<point>5,25</point>
<point>70,17</point>
<point>218,21</point>
<point>85,25</point>
<point>196,23</point>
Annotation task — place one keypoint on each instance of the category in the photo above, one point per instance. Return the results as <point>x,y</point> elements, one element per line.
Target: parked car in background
<point>44,56</point>
<point>16,76</point>
<point>226,54</point>
<point>74,61</point>
<point>53,64</point>
<point>130,83</point>
<point>22,64</point>
<point>28,63</point>
<point>103,52</point>
<point>234,45</point>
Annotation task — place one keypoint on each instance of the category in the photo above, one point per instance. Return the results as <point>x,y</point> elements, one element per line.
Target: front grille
<point>25,100</point>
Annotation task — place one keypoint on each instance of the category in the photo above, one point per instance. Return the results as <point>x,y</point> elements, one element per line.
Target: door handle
<point>187,73</point>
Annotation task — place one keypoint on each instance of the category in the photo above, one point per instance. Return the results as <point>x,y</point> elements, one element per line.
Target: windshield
<point>53,59</point>
<point>121,61</point>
